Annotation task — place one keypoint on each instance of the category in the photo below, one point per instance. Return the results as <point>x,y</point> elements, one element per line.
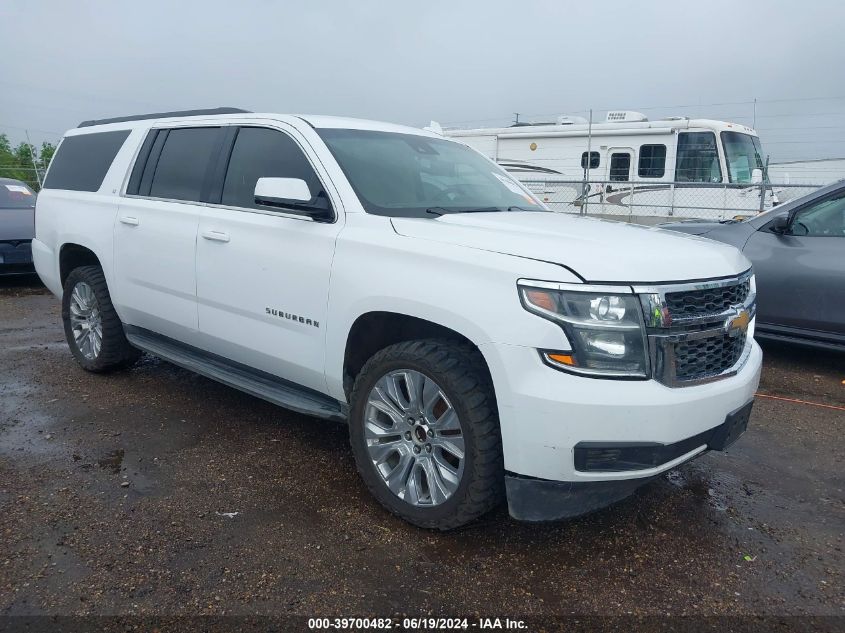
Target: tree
<point>17,162</point>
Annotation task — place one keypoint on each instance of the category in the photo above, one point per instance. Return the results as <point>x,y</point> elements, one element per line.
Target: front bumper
<point>542,500</point>
<point>547,416</point>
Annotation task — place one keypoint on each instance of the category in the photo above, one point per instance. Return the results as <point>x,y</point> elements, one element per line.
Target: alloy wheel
<point>414,438</point>
<point>85,321</point>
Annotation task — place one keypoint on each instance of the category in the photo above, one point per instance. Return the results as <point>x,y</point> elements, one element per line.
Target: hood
<point>596,250</point>
<point>691,227</point>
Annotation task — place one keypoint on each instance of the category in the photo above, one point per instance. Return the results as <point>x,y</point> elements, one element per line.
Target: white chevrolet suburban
<point>476,344</point>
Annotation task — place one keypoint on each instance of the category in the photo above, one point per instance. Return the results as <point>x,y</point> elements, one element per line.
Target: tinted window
<point>259,153</point>
<point>652,161</point>
<point>620,166</point>
<point>181,168</point>
<point>594,160</point>
<point>82,161</point>
<point>822,219</point>
<point>698,159</point>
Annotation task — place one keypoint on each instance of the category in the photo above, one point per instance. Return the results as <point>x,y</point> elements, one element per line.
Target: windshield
<point>743,155</point>
<point>407,175</point>
<point>16,195</point>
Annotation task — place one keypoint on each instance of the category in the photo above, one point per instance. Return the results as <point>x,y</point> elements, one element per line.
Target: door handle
<point>216,236</point>
<point>129,220</point>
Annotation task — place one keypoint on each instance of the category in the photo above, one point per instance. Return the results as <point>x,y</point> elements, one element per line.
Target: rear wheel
<point>425,433</point>
<point>93,330</point>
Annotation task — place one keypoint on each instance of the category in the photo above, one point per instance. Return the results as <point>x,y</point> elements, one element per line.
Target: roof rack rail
<point>163,115</point>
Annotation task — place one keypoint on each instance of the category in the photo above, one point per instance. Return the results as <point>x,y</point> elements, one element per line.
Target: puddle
<point>703,488</point>
<point>113,461</point>
<point>24,430</point>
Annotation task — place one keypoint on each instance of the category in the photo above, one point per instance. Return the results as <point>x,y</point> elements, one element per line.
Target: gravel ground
<point>158,492</point>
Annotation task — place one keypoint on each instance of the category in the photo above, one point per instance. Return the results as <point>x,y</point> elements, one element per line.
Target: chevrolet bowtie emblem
<point>739,324</point>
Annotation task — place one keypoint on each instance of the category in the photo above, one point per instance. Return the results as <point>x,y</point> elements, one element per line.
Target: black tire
<point>460,372</point>
<point>115,351</point>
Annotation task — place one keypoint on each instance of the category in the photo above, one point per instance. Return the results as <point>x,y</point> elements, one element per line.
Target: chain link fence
<point>652,203</point>
<point>28,175</point>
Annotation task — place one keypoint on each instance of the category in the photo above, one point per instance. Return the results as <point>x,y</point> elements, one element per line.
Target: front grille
<point>693,303</point>
<point>707,357</point>
<point>698,332</point>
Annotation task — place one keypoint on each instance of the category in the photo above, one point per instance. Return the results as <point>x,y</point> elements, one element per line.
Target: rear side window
<point>652,161</point>
<point>259,153</point>
<point>182,164</point>
<point>82,161</point>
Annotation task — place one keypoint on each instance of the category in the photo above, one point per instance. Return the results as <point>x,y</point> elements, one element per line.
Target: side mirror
<point>756,176</point>
<point>292,194</point>
<point>780,225</point>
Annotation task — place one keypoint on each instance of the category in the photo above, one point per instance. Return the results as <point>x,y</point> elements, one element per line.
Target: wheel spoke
<point>438,488</point>
<point>414,491</point>
<point>448,421</point>
<point>414,382</point>
<point>96,341</point>
<point>431,395</point>
<point>381,401</point>
<point>380,451</point>
<point>397,479</point>
<point>453,444</point>
<point>446,470</point>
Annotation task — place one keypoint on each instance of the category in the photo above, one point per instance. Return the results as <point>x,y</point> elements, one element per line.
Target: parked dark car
<point>17,227</point>
<point>798,252</point>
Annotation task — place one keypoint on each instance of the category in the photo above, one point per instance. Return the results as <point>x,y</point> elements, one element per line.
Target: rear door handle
<point>216,236</point>
<point>129,220</point>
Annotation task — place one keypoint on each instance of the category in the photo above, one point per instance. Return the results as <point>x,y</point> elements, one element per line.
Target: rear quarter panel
<point>82,217</point>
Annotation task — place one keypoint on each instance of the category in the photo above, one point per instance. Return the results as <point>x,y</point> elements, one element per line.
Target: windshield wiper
<point>446,210</point>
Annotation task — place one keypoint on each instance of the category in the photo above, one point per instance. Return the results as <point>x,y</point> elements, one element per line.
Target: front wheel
<point>425,433</point>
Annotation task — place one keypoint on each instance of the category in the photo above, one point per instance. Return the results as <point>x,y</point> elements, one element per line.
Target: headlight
<point>604,328</point>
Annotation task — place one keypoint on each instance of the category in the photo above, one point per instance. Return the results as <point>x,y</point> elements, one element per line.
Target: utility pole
<point>587,165</point>
<point>754,119</point>
<point>32,155</point>
<point>516,118</point>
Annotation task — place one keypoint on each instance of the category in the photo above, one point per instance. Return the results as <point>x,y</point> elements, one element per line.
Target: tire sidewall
<point>422,516</point>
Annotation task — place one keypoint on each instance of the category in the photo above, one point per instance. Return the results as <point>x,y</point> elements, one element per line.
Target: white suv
<point>476,344</point>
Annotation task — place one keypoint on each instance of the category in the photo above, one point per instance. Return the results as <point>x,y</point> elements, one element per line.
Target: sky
<point>460,63</point>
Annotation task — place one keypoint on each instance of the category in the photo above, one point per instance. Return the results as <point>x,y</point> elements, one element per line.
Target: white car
<point>477,345</point>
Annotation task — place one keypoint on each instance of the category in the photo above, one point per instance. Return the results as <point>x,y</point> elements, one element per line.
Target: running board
<point>252,381</point>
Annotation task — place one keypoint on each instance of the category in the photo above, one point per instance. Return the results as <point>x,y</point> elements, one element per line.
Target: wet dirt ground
<point>155,491</point>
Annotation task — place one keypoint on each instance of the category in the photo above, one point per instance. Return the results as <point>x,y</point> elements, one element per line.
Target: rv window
<point>743,155</point>
<point>698,159</point>
<point>620,167</point>
<point>594,160</point>
<point>652,161</point>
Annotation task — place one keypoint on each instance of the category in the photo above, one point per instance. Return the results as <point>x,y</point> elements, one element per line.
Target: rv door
<point>619,166</point>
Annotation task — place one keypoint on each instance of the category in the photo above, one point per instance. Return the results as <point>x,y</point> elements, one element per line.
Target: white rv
<point>628,164</point>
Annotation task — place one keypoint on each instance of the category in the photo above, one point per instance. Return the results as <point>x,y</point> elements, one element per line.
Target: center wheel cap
<point>420,434</point>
